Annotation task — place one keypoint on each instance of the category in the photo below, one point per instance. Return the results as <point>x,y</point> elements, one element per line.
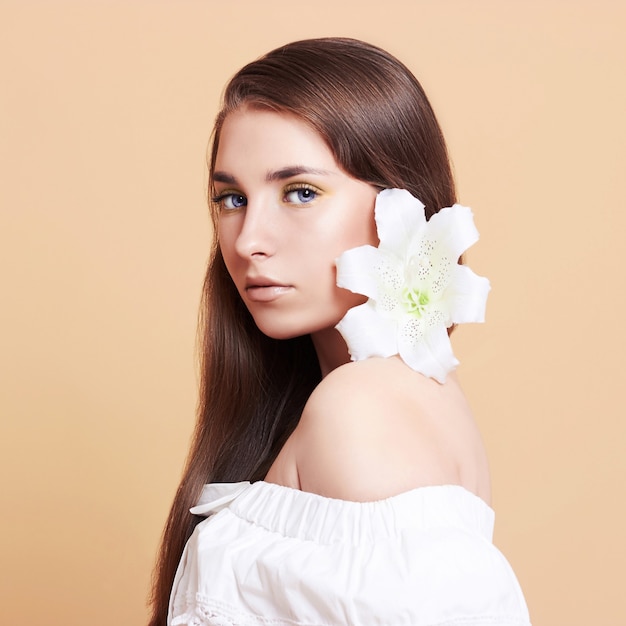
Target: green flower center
<point>415,301</point>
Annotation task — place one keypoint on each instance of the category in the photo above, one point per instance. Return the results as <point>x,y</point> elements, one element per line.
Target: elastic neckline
<point>308,516</point>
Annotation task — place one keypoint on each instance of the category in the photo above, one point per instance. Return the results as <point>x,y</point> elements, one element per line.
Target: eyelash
<point>220,199</point>
<point>302,187</point>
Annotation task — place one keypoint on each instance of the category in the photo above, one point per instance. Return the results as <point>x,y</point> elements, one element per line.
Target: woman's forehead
<point>252,137</point>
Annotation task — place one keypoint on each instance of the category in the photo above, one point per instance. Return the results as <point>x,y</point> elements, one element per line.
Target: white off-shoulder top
<point>275,556</point>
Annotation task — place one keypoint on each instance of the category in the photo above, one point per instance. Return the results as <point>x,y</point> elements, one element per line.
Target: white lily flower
<point>415,285</point>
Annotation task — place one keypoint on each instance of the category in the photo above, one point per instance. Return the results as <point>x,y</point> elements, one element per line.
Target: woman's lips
<point>266,293</point>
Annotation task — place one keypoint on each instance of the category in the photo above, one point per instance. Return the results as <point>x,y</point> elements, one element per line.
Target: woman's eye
<point>301,195</point>
<point>231,201</point>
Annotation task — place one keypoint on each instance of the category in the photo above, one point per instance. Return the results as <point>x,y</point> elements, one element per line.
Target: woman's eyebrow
<point>223,177</point>
<point>281,174</point>
<point>294,170</point>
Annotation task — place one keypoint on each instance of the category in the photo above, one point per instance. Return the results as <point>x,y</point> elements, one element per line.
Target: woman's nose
<point>257,235</point>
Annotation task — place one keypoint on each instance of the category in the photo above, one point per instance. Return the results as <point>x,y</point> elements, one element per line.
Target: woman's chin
<point>291,330</point>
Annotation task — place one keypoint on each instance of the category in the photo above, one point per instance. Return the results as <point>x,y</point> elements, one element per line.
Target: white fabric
<point>274,556</point>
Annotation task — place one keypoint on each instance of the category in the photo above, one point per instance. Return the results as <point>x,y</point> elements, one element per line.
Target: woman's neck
<point>331,349</point>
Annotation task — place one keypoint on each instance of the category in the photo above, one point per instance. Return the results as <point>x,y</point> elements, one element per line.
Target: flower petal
<point>357,270</point>
<point>453,229</point>
<point>432,356</point>
<point>466,296</point>
<point>368,333</point>
<point>399,216</point>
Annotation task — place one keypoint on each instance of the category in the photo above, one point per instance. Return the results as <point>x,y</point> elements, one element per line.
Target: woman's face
<point>286,212</point>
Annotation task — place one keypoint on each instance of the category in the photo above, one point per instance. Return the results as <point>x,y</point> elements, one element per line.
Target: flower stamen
<point>415,301</point>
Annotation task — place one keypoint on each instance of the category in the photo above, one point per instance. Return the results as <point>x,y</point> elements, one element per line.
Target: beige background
<point>106,108</point>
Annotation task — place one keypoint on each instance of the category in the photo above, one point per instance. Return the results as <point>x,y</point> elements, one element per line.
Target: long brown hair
<point>379,125</point>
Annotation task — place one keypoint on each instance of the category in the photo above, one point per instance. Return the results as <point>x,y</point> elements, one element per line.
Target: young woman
<point>338,492</point>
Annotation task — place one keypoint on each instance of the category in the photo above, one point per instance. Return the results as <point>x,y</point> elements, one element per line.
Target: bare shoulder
<point>376,428</point>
